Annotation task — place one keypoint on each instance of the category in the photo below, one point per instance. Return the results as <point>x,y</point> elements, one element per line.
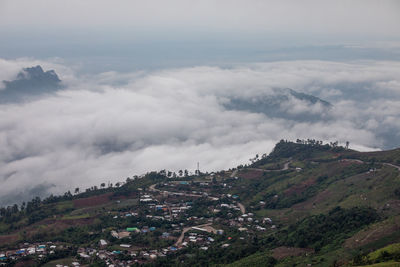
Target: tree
<point>68,194</point>
<point>23,206</point>
<point>77,190</point>
<point>14,208</point>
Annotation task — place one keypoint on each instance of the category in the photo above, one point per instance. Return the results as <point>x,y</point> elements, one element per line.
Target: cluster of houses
<point>249,221</point>
<point>203,240</point>
<point>147,198</point>
<point>111,257</point>
<point>158,211</point>
<point>153,208</point>
<point>26,249</point>
<point>226,206</point>
<point>198,235</point>
<point>127,232</point>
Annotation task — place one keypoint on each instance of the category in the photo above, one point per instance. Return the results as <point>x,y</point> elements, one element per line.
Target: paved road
<point>285,168</point>
<point>206,226</point>
<point>384,163</point>
<point>353,160</point>
<point>242,208</point>
<point>392,165</point>
<point>154,189</point>
<point>234,173</point>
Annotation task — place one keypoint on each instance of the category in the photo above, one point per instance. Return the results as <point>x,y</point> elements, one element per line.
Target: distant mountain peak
<point>34,74</point>
<point>30,82</point>
<point>280,103</point>
<point>306,97</point>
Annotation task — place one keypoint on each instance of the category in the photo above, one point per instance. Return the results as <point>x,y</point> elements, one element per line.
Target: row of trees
<point>14,213</point>
<point>314,142</point>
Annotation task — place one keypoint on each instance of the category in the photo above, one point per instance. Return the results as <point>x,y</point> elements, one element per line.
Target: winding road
<point>285,168</point>
<point>392,165</point>
<point>384,163</point>
<point>206,226</point>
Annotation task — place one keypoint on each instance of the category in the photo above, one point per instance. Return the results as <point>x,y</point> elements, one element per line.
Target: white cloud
<point>112,125</point>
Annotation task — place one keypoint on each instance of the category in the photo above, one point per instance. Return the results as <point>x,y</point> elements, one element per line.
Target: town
<point>177,213</point>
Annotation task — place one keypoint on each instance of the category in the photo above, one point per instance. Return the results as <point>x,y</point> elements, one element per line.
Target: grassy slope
<point>393,248</point>
<point>324,183</point>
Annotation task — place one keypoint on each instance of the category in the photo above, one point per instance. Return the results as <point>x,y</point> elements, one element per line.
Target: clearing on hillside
<point>92,201</point>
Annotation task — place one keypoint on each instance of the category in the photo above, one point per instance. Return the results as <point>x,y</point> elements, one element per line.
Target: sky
<point>124,35</point>
<point>145,84</point>
<point>360,17</point>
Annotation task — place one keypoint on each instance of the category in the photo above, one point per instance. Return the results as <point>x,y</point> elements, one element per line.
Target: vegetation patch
<point>374,233</point>
<point>92,201</point>
<point>251,173</point>
<point>284,252</point>
<point>75,217</point>
<point>256,259</point>
<point>320,230</point>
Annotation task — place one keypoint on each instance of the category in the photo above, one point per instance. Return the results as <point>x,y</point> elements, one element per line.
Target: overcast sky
<point>127,34</point>
<point>362,17</point>
<point>146,84</point>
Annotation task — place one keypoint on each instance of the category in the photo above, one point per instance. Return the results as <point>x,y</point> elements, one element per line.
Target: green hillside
<point>304,204</point>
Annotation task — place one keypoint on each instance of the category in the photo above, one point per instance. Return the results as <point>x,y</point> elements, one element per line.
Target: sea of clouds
<point>109,126</point>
